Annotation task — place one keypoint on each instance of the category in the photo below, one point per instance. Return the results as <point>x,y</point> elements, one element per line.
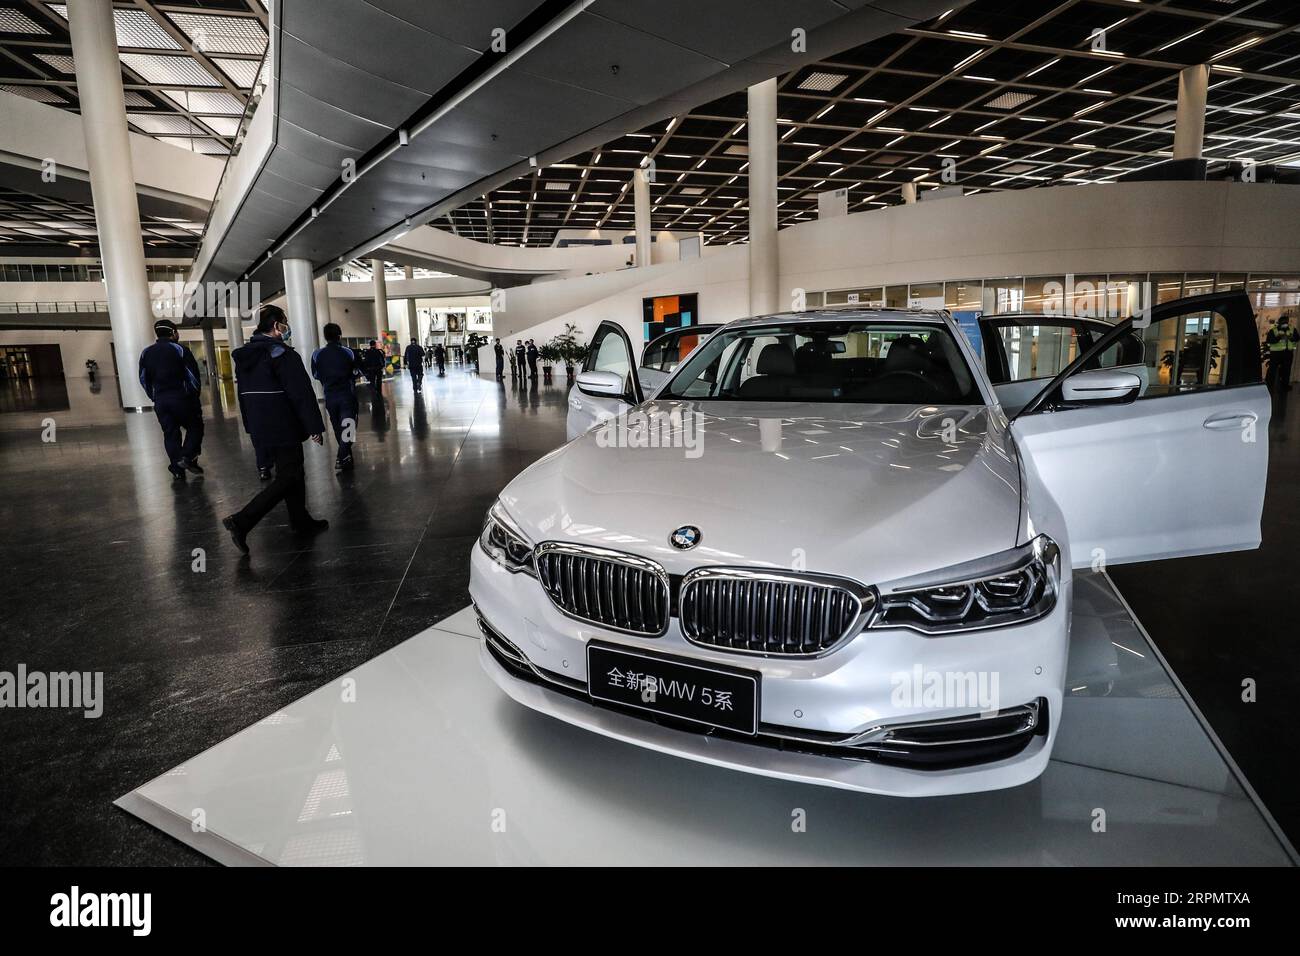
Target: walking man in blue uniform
<point>335,366</point>
<point>414,359</point>
<point>169,375</point>
<point>278,405</point>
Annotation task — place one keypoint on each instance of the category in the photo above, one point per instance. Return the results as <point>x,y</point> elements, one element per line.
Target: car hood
<point>871,492</point>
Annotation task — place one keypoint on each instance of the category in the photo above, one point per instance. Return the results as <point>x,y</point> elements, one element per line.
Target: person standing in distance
<point>533,355</point>
<point>414,359</point>
<point>440,356</point>
<point>278,405</point>
<point>499,350</point>
<point>372,363</point>
<point>520,355</point>
<point>169,375</point>
<point>335,366</point>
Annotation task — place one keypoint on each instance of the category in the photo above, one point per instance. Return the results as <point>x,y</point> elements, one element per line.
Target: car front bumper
<point>874,680</point>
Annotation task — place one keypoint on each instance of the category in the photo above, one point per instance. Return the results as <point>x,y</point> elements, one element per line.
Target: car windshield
<point>866,362</point>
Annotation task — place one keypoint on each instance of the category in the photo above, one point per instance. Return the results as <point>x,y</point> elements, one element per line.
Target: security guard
<point>440,356</point>
<point>279,408</point>
<point>414,359</point>
<point>372,363</point>
<point>335,366</point>
<point>169,375</point>
<point>1281,341</point>
<point>500,352</point>
<point>533,354</point>
<point>520,354</point>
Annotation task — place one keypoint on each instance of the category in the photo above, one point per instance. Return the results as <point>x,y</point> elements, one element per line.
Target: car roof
<point>815,316</point>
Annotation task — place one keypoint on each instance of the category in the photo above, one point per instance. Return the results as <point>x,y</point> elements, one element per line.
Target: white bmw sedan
<point>825,550</point>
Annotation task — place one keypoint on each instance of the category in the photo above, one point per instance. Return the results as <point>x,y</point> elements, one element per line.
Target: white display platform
<point>432,764</point>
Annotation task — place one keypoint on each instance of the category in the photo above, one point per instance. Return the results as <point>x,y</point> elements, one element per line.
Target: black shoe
<point>264,474</point>
<point>313,526</point>
<point>236,535</point>
<point>178,473</point>
<point>192,464</point>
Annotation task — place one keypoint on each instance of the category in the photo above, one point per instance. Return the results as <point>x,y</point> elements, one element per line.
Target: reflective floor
<point>429,763</point>
<point>99,564</point>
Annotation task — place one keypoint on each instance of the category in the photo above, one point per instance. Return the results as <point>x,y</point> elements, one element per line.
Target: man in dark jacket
<point>414,359</point>
<point>500,352</point>
<point>169,375</point>
<point>372,363</point>
<point>440,356</point>
<point>533,355</point>
<point>521,354</point>
<point>335,366</point>
<point>279,408</point>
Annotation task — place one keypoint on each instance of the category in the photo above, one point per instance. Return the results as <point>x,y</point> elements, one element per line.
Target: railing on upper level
<point>33,308</point>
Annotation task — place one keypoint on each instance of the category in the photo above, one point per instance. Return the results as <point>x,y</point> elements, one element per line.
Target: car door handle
<point>1233,420</point>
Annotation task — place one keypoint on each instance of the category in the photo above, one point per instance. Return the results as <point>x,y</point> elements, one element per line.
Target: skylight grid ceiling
<point>30,220</point>
<point>188,66</point>
<point>1010,96</point>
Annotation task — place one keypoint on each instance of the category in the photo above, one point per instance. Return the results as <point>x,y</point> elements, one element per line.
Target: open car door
<point>607,384</point>
<point>1161,464</point>
<point>1023,352</point>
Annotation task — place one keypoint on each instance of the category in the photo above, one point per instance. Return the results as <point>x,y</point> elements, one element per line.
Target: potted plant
<point>570,348</point>
<point>549,353</point>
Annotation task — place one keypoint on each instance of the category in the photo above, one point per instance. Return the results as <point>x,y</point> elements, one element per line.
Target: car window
<point>608,354</point>
<point>821,361</point>
<point>1181,353</point>
<point>666,352</point>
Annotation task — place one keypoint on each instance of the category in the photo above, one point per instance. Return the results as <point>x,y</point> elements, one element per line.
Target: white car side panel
<point>1158,478</point>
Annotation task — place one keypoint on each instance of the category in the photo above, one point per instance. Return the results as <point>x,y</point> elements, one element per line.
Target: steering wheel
<point>930,386</point>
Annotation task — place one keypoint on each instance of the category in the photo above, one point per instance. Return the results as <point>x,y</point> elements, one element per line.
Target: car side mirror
<point>602,384</point>
<point>1100,387</point>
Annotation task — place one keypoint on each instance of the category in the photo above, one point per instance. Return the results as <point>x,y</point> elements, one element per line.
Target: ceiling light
<point>1009,100</point>
<point>822,82</point>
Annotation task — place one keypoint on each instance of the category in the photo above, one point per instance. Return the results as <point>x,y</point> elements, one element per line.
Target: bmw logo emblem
<point>685,537</point>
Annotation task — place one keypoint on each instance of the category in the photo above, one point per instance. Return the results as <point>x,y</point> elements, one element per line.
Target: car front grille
<point>774,613</point>
<point>619,591</point>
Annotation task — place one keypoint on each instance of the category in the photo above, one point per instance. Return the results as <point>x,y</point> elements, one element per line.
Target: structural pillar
<point>321,289</point>
<point>641,208</point>
<point>412,320</point>
<point>909,193</point>
<point>300,305</point>
<point>210,353</point>
<point>763,265</point>
<point>1189,127</point>
<point>112,187</point>
<point>381,296</point>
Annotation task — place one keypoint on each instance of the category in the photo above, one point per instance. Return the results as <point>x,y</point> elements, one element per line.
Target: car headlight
<point>1015,586</point>
<point>505,544</point>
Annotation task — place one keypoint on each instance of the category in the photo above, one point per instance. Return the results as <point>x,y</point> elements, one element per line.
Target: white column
<point>1189,127</point>
<point>641,208</point>
<point>300,305</point>
<point>210,353</point>
<point>321,289</point>
<point>381,296</point>
<point>763,264</point>
<point>112,186</point>
<point>412,320</point>
<point>909,193</point>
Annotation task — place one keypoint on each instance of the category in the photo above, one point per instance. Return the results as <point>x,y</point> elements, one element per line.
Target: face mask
<point>286,335</point>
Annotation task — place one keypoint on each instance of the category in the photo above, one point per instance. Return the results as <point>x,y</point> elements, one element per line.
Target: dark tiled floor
<point>1222,619</point>
<point>97,558</point>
